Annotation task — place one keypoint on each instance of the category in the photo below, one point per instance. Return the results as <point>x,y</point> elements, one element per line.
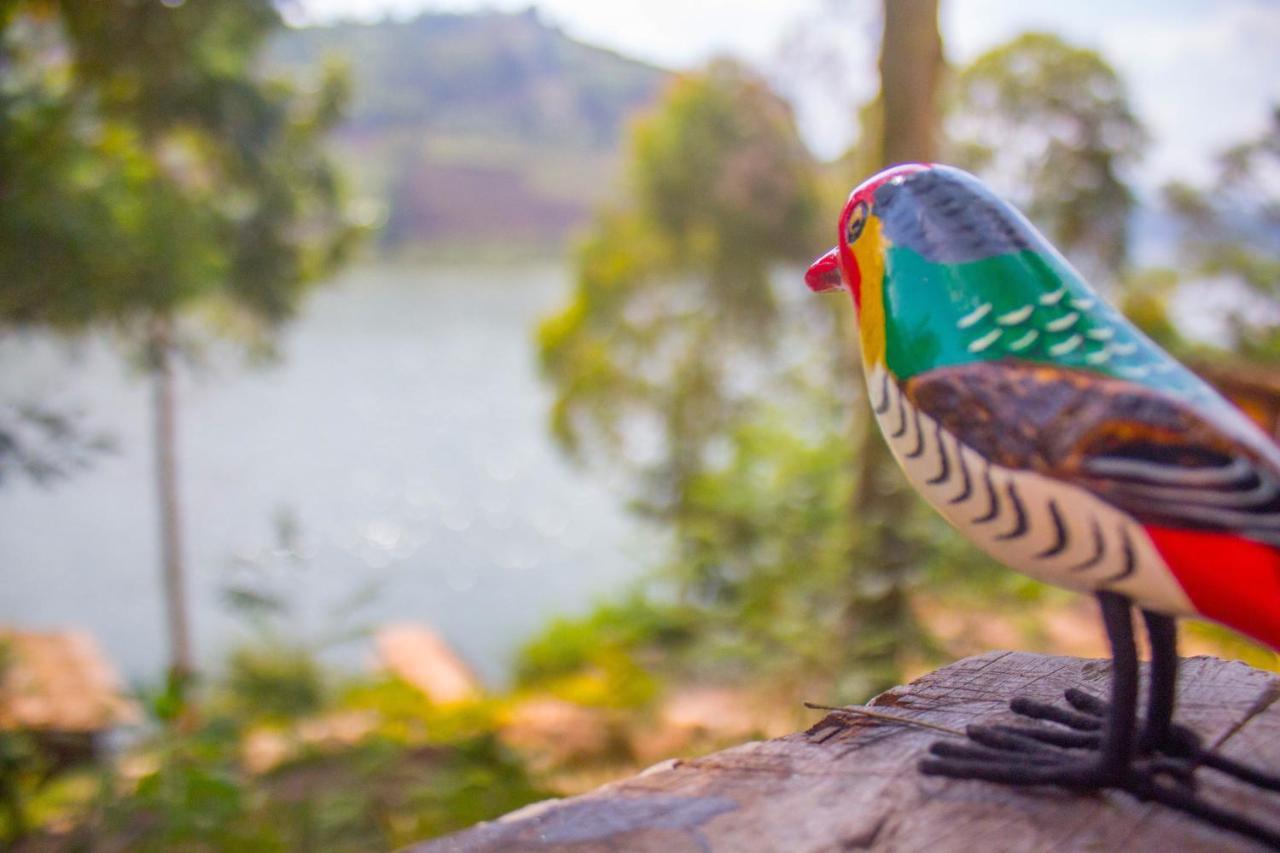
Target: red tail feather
<point>1230,580</point>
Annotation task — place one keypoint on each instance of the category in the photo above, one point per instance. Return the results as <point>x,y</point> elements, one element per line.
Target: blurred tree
<point>673,287</point>
<point>147,169</point>
<point>1050,126</point>
<point>1232,230</point>
<point>674,341</point>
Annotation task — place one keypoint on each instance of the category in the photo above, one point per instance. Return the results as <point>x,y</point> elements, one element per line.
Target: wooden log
<point>852,783</point>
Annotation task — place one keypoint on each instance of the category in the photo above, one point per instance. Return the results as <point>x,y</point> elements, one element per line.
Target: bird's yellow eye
<point>857,219</point>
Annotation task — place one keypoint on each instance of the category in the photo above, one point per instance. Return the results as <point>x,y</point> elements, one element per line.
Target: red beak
<point>824,273</point>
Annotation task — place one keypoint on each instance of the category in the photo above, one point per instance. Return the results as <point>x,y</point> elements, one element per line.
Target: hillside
<point>477,128</point>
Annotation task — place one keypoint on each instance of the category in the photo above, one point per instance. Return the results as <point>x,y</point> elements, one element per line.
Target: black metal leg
<point>1117,733</point>
<point>1163,633</point>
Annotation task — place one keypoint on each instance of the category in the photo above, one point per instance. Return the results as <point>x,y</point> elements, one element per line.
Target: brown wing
<point>1145,452</point>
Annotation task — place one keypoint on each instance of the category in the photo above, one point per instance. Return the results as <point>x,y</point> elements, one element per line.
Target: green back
<point>1024,305</point>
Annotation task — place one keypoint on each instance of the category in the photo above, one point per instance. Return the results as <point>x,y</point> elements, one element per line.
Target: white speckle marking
<point>1135,372</point>
<point>974,316</point>
<point>1053,298</point>
<point>1015,317</point>
<point>1083,303</point>
<point>985,341</point>
<point>1124,349</point>
<point>1101,333</point>
<point>1062,323</point>
<point>1066,346</point>
<point>1025,341</point>
<point>1102,356</point>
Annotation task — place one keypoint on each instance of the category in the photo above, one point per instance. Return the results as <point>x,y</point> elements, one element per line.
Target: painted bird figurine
<point>1067,445</point>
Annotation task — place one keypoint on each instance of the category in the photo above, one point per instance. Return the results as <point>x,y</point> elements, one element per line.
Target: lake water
<point>403,435</point>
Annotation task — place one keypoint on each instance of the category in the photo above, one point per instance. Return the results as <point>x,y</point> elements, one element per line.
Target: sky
<point>1202,74</point>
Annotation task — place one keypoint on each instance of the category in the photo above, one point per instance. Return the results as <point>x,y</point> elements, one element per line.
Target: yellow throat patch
<point>869,252</point>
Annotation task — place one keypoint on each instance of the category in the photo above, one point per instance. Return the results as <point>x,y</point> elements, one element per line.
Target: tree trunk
<point>910,70</point>
<point>165,437</point>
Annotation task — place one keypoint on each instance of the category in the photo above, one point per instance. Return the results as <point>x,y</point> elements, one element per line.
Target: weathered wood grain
<point>851,783</point>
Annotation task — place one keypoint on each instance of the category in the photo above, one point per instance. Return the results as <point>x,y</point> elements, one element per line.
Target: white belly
<point>1042,527</point>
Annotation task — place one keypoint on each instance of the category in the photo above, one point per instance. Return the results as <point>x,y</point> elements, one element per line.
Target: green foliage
<point>672,290</point>
<point>615,657</point>
<point>407,716</point>
<point>415,771</point>
<point>376,794</point>
<point>195,794</point>
<point>166,703</point>
<point>21,770</point>
<point>145,167</point>
<point>768,537</point>
<point>723,180</point>
<point>1050,125</point>
<point>567,646</point>
<point>430,792</point>
<point>20,775</point>
<point>282,682</point>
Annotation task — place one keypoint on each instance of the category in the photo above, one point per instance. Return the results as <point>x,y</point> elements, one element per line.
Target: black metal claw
<point>1180,748</point>
<point>1025,771</point>
<point>1062,738</point>
<point>1009,740</point>
<point>967,752</point>
<point>1084,702</point>
<point>1141,780</point>
<point>1044,711</point>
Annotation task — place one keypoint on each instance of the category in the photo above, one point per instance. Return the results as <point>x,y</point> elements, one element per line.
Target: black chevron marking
<point>1061,538</point>
<point>964,471</point>
<point>918,450</point>
<point>1099,548</point>
<point>886,399</point>
<point>993,507</point>
<point>1130,560</point>
<point>1020,525</point>
<point>944,473</point>
<point>902,415</point>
